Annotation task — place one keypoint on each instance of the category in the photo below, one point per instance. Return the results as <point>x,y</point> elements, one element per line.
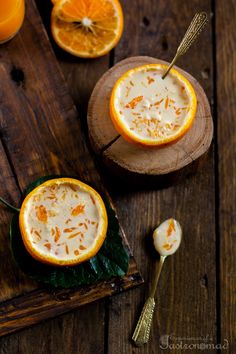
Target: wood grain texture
<point>33,307</point>
<point>139,160</point>
<point>226,118</point>
<point>61,335</point>
<point>15,283</point>
<point>41,134</point>
<point>65,334</point>
<point>186,298</point>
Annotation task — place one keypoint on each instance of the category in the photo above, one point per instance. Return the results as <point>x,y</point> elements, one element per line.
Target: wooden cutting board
<point>141,162</point>
<point>40,134</point>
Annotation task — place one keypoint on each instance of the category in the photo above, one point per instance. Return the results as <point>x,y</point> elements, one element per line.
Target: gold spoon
<point>167,238</point>
<point>196,26</point>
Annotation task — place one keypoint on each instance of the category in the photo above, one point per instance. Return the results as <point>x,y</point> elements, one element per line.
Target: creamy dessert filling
<point>167,237</point>
<point>62,220</point>
<point>150,107</point>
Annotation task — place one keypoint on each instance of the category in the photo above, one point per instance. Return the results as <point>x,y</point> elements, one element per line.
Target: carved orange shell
<point>150,111</point>
<point>63,222</point>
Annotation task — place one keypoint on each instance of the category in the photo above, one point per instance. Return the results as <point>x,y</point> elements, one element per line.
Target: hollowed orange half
<point>151,111</point>
<point>63,222</point>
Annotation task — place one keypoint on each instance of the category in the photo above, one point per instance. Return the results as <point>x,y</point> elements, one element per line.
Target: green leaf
<point>112,260</point>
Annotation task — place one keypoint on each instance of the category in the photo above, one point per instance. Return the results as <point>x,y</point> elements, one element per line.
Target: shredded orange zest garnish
<point>167,246</point>
<point>79,209</point>
<point>166,102</point>
<point>71,186</point>
<point>41,214</point>
<point>37,233</point>
<point>51,197</point>
<point>92,198</point>
<point>158,102</point>
<point>37,236</point>
<point>69,229</point>
<point>150,80</point>
<point>171,227</point>
<point>75,234</point>
<point>127,91</point>
<point>48,246</point>
<point>52,188</point>
<point>132,104</point>
<point>57,234</point>
<point>178,111</point>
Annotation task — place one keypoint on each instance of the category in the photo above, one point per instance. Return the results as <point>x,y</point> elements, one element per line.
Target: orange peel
<point>150,111</point>
<point>63,222</point>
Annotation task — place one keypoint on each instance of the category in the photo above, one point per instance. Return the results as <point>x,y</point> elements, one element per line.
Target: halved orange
<point>63,222</point>
<point>87,28</point>
<point>147,110</point>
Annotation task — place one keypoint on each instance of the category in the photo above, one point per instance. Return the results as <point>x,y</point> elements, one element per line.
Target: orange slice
<point>87,28</point>
<point>147,110</point>
<point>63,222</point>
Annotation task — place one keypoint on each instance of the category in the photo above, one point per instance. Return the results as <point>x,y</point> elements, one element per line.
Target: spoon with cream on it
<point>167,238</point>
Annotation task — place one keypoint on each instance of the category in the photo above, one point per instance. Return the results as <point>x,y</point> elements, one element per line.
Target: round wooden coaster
<point>118,153</point>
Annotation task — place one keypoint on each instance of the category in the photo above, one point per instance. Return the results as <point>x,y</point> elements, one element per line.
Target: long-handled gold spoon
<point>198,23</point>
<point>167,238</point>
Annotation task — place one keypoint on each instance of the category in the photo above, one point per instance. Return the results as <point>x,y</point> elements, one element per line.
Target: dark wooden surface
<point>226,164</point>
<point>41,137</point>
<point>197,292</point>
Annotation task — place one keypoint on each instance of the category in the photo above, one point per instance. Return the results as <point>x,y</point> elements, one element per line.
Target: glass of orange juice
<point>11,18</point>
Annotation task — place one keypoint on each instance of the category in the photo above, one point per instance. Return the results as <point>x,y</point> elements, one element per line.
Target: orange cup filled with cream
<point>151,111</point>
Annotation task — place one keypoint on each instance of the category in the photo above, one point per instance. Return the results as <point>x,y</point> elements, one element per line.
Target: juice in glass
<point>11,18</point>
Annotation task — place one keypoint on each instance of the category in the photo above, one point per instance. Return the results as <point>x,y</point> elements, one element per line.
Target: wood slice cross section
<point>40,135</point>
<point>121,155</point>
